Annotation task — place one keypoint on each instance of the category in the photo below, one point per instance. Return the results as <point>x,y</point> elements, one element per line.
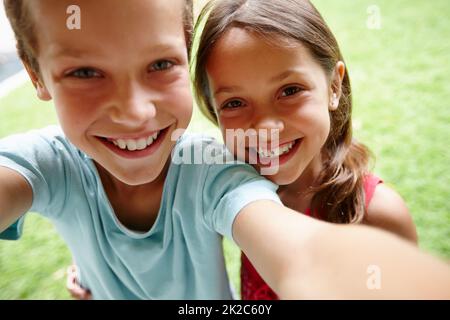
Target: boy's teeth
<point>132,144</point>
<point>276,152</point>
<point>122,144</point>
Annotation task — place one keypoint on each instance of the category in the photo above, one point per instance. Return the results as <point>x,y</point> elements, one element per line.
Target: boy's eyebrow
<point>74,52</point>
<point>63,51</point>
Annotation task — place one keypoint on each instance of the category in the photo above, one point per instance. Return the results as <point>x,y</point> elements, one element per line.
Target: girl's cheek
<point>237,121</point>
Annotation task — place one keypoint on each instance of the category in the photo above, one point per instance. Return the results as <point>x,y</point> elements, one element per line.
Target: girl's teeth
<point>133,145</point>
<point>141,144</point>
<point>122,144</point>
<point>277,151</point>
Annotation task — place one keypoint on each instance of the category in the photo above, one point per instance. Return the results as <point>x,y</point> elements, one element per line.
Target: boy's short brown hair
<point>25,33</point>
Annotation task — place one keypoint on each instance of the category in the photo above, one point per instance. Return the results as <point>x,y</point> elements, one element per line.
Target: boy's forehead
<point>107,20</point>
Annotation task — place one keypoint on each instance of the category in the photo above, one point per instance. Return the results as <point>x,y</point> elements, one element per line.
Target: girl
<point>275,65</point>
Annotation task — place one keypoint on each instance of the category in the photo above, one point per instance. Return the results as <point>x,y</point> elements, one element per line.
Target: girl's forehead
<point>237,38</point>
<point>241,45</point>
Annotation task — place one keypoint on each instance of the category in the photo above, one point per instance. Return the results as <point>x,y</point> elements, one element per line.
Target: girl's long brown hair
<point>339,196</point>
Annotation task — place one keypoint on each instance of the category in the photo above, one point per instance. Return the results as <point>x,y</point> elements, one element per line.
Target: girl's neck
<point>297,195</point>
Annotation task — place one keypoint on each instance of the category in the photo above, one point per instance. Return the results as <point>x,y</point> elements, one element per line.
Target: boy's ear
<point>336,85</point>
<point>41,90</point>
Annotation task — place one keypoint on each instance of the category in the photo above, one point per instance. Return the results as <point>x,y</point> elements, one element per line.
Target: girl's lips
<point>282,159</point>
<point>137,154</point>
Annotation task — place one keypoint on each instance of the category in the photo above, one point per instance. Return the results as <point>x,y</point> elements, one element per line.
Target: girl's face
<point>120,83</point>
<point>257,85</point>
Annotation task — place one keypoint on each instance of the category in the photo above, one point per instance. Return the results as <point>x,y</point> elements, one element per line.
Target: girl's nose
<point>268,122</point>
<point>133,107</point>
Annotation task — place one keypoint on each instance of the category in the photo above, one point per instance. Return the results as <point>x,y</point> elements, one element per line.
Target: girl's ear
<point>336,85</point>
<point>41,90</point>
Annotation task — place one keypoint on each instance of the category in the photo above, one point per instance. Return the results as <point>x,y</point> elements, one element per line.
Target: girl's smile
<point>261,84</point>
<point>282,153</point>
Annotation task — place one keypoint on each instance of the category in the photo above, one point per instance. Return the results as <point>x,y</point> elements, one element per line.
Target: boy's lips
<point>142,146</point>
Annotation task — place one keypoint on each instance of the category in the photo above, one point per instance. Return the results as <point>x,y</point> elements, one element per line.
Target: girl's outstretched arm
<point>301,257</point>
<point>16,197</point>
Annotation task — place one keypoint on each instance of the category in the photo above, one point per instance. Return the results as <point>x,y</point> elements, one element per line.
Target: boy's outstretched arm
<point>16,197</point>
<point>301,257</point>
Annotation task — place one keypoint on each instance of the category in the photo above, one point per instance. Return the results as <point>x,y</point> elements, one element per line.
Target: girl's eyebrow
<point>226,90</point>
<point>279,77</point>
<point>287,74</point>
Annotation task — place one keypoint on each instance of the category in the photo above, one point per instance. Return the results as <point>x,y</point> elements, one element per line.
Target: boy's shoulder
<point>42,142</point>
<point>200,149</point>
<point>195,139</point>
<point>203,159</point>
<point>50,134</point>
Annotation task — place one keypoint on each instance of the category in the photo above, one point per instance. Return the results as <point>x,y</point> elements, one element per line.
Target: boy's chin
<point>132,176</point>
<point>137,179</point>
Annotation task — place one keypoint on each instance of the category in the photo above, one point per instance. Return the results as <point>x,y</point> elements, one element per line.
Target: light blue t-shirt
<point>180,257</point>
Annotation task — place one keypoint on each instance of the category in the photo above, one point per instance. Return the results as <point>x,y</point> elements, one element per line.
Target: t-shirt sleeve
<point>228,189</point>
<point>14,231</point>
<point>39,157</point>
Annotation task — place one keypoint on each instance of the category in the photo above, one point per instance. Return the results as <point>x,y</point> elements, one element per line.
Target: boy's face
<point>120,84</point>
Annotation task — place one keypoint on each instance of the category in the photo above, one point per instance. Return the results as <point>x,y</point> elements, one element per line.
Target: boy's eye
<point>232,104</point>
<point>85,73</point>
<point>161,65</point>
<point>289,91</point>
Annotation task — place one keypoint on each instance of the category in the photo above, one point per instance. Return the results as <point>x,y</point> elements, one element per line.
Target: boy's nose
<point>133,107</point>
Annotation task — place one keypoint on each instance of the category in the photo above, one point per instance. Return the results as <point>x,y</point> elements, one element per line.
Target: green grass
<point>400,77</point>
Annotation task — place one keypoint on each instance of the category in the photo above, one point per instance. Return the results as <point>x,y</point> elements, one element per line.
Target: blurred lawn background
<point>400,75</point>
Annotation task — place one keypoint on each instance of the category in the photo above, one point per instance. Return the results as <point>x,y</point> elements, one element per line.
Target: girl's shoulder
<point>386,209</point>
<point>370,184</point>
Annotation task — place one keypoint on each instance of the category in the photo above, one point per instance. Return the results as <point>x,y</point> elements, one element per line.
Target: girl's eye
<point>85,73</point>
<point>289,91</point>
<point>232,104</point>
<point>161,65</point>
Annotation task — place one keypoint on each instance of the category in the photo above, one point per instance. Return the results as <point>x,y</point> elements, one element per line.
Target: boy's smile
<point>134,148</point>
<point>120,84</point>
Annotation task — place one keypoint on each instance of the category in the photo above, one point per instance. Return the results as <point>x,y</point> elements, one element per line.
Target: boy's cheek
<point>180,97</point>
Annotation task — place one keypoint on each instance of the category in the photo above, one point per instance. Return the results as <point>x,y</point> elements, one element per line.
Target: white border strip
<point>13,82</point>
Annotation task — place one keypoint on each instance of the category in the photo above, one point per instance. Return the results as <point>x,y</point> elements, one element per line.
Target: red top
<point>253,286</point>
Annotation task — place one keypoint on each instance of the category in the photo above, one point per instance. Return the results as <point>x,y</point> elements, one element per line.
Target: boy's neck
<point>136,207</point>
<point>113,184</point>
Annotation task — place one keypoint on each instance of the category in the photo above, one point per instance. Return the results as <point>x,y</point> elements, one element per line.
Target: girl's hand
<point>75,289</point>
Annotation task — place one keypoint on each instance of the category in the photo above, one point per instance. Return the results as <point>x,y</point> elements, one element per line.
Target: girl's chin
<point>281,178</point>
